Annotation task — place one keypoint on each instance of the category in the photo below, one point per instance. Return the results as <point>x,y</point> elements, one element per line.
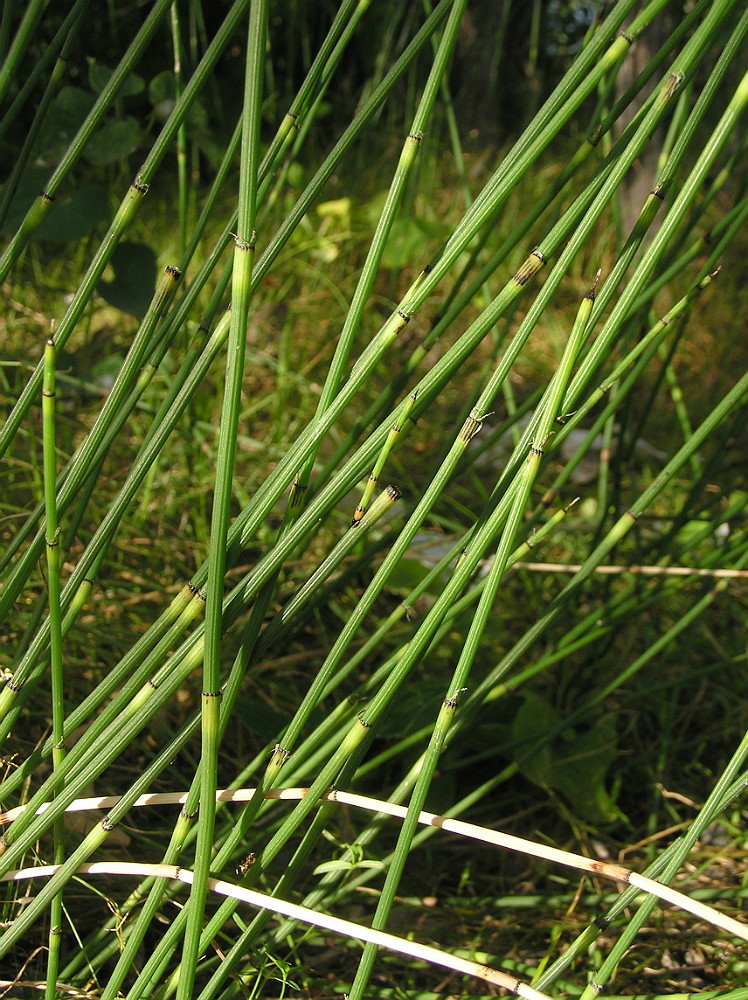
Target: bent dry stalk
<point>613,872</point>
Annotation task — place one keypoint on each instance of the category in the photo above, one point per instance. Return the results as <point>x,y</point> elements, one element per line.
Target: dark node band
<point>529,268</point>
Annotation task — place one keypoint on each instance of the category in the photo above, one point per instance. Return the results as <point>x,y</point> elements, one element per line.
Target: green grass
<point>603,712</point>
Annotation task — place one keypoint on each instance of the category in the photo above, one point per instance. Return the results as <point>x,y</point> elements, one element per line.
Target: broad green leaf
<point>162,88</point>
<point>408,574</point>
<point>114,141</point>
<point>68,218</point>
<point>575,764</point>
<point>418,707</point>
<point>99,75</point>
<point>134,281</point>
<point>65,116</point>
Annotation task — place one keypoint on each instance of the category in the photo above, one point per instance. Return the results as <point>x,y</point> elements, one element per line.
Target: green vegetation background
<point>622,778</point>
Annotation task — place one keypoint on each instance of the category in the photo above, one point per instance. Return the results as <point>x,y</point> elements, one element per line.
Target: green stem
<point>548,410</point>
<point>241,290</point>
<point>53,587</point>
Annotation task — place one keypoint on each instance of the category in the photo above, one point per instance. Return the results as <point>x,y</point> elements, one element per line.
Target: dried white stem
<point>336,925</point>
<point>604,869</point>
<point>718,574</point>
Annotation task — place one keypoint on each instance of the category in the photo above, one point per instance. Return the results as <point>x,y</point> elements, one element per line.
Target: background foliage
<point>606,717</point>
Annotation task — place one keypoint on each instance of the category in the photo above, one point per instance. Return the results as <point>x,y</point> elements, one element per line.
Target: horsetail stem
<point>53,588</point>
<point>389,444</point>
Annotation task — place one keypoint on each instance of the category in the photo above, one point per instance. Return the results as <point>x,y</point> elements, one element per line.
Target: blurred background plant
<point>604,711</point>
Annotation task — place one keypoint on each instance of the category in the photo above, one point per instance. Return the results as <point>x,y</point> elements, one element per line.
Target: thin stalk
<point>280,755</point>
<point>454,308</point>
<point>339,362</point>
<point>88,457</point>
<point>662,238</point>
<point>108,423</point>
<point>379,240</point>
<point>182,178</point>
<point>536,260</point>
<point>679,402</point>
<point>519,280</point>
<point>274,559</point>
<point>361,118</point>
<point>403,609</point>
<point>667,866</point>
<point>241,524</point>
<point>68,32</point>
<point>549,410</point>
<point>383,503</point>
<point>639,357</point>
<point>93,841</point>
<point>252,516</point>
<point>230,692</point>
<point>6,20</point>
<point>316,898</point>
<point>130,204</point>
<point>255,582</point>
<point>389,444</point>
<point>53,587</point>
<point>617,532</point>
<point>280,890</point>
<point>602,344</point>
<point>104,101</point>
<point>352,744</point>
<point>26,29</point>
<point>241,291</point>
